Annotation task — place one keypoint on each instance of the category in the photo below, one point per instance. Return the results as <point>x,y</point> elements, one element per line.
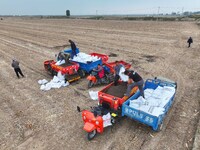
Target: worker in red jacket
<point>100,71</point>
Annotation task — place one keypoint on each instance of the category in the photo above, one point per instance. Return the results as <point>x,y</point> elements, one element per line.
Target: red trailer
<point>111,65</point>
<point>103,57</point>
<point>111,99</point>
<point>70,70</point>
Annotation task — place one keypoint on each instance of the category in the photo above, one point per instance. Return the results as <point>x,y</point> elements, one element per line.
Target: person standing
<point>117,70</point>
<point>134,80</point>
<point>189,41</point>
<point>15,65</point>
<point>73,47</point>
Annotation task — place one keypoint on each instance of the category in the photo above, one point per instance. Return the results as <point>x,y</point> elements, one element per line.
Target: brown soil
<point>117,91</point>
<point>33,119</point>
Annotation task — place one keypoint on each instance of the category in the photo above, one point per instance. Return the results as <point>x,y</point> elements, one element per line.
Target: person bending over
<point>134,80</point>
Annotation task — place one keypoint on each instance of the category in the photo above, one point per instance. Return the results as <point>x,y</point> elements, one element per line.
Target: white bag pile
<point>155,100</point>
<point>84,58</point>
<point>60,62</point>
<point>93,95</point>
<point>107,120</point>
<point>123,77</point>
<point>57,82</point>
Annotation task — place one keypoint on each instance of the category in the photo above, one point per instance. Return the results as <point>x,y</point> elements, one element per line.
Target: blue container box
<point>154,121</point>
<point>87,67</point>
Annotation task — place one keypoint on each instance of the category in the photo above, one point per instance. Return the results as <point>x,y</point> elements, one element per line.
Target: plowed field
<point>33,119</point>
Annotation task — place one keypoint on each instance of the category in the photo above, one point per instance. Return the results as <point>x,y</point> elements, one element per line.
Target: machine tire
<point>81,73</point>
<point>49,67</point>
<point>91,135</point>
<point>107,80</point>
<point>90,84</point>
<point>53,73</point>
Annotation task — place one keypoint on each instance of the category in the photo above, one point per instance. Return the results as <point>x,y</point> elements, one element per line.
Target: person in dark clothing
<point>15,65</point>
<point>117,70</point>
<point>73,47</point>
<point>60,56</point>
<point>189,41</point>
<point>134,80</point>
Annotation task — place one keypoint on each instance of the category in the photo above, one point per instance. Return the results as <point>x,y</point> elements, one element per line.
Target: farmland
<point>34,119</point>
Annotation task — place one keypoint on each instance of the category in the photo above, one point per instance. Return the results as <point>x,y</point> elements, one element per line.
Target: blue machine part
<point>106,69</point>
<point>87,67</point>
<point>70,52</point>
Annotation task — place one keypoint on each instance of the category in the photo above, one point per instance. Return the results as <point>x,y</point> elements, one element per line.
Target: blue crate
<point>70,52</point>
<point>143,117</point>
<point>87,67</point>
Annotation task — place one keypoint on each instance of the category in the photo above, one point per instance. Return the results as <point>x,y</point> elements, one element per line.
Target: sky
<point>96,7</point>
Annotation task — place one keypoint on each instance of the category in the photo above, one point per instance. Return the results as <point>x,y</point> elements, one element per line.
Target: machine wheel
<point>81,73</point>
<point>107,80</point>
<point>91,135</point>
<point>53,73</point>
<point>49,67</point>
<point>110,77</point>
<point>90,84</point>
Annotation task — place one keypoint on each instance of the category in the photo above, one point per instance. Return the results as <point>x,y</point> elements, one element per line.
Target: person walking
<point>189,41</point>
<point>15,65</point>
<point>73,47</point>
<point>117,70</point>
<point>134,80</point>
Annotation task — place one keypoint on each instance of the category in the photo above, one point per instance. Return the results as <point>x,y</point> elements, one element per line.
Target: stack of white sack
<point>84,58</point>
<point>57,82</point>
<point>123,77</point>
<point>60,62</point>
<point>155,100</point>
<point>106,120</point>
<point>93,95</point>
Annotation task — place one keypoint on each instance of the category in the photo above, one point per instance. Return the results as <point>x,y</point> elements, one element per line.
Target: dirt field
<point>33,119</point>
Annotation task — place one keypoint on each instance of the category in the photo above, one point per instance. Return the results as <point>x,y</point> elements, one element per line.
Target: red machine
<point>102,56</point>
<point>69,69</point>
<point>109,72</point>
<point>110,102</point>
<point>111,65</point>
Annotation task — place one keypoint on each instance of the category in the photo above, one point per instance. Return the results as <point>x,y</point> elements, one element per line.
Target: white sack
<point>106,120</point>
<point>44,81</point>
<point>122,75</point>
<point>155,100</point>
<point>84,58</point>
<point>57,82</point>
<point>60,62</point>
<point>93,95</point>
